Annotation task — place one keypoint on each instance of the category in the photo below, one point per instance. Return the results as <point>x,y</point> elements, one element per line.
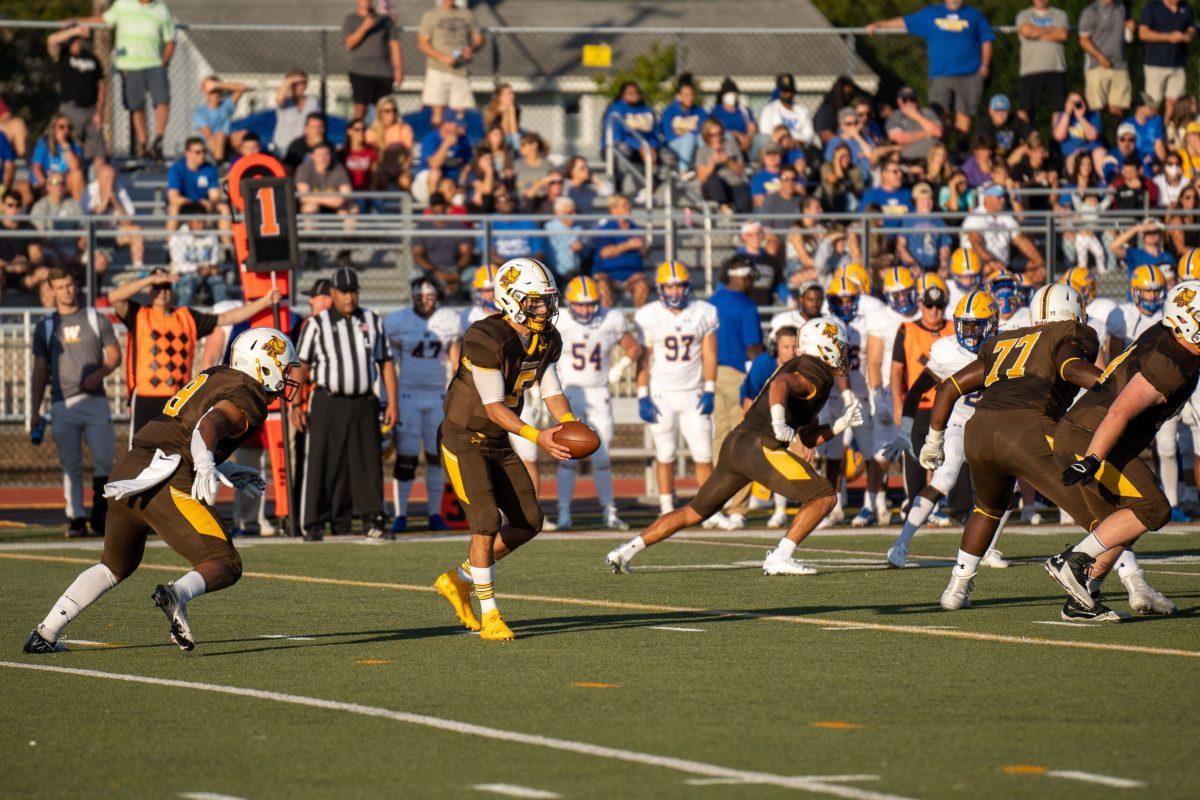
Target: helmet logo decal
<point>1184,297</point>
<point>830,330</point>
<point>275,347</point>
<point>509,277</point>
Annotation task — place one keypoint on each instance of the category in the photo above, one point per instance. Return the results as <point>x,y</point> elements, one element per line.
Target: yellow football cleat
<point>494,628</point>
<point>458,593</point>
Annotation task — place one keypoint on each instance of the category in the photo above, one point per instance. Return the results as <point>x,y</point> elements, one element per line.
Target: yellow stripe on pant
<point>451,463</point>
<point>786,465</point>
<point>197,515</point>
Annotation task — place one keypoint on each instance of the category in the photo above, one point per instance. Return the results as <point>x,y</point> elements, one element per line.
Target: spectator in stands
<point>1043,62</point>
<point>1007,130</point>
<point>937,167</point>
<point>565,247</point>
<point>388,129</point>
<point>584,188</point>
<point>721,169</point>
<point>890,196</point>
<point>8,164</point>
<point>213,121</point>
<point>912,128</point>
<point>22,258</point>
<point>449,37</point>
<point>554,188</point>
<point>196,254</point>
<point>766,252</point>
<point>730,110</point>
<point>53,212</point>
<point>292,109</point>
<point>792,155</point>
<point>1187,108</point>
<point>1182,219</point>
<point>531,170</point>
<point>1104,29</point>
<point>619,264</point>
<point>503,112</point>
<point>81,86</point>
<point>193,179</point>
<point>442,258</point>
<point>802,242</point>
<point>299,148</point>
<point>376,62</point>
<point>1151,136</point>
<point>991,231</point>
<point>766,179</point>
<point>842,181</point>
<point>480,182</point>
<point>1081,181</point>
<point>958,43</point>
<point>105,197</point>
<point>1151,252</point>
<point>323,184</point>
<point>1171,183</point>
<point>360,160</point>
<point>680,126</point>
<point>58,153</point>
<point>1132,191</point>
<point>978,166</point>
<point>925,244</point>
<point>511,238</point>
<point>784,111</point>
<point>1077,131</point>
<point>1126,147</point>
<point>849,133</point>
<point>1034,169</point>
<point>1167,27</point>
<point>251,144</point>
<point>445,152</point>
<point>841,95</point>
<point>632,125</point>
<point>14,129</point>
<point>784,200</point>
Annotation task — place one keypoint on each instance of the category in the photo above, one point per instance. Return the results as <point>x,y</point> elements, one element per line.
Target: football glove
<point>647,410</point>
<point>618,369</point>
<point>242,478</point>
<point>205,483</point>
<point>931,452</point>
<point>779,427</point>
<point>852,417</point>
<point>708,403</point>
<point>1082,471</point>
<point>902,444</point>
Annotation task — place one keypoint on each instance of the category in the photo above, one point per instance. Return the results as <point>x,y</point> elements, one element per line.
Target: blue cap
<point>994,190</point>
<point>999,102</point>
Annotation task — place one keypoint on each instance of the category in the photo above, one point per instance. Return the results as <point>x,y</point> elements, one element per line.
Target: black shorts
<point>1124,479</point>
<point>747,456</point>
<point>488,477</point>
<point>369,89</point>
<point>1042,90</point>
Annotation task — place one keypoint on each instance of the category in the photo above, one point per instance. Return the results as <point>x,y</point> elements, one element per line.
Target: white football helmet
<point>267,356</point>
<point>520,284</point>
<point>825,338</point>
<point>1056,302</point>
<point>1181,312</point>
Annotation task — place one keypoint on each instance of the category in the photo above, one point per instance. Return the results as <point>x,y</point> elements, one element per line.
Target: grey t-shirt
<point>704,157</point>
<point>1041,55</point>
<point>920,148</point>
<point>48,216</point>
<point>330,181</point>
<point>371,57</point>
<point>1104,23</point>
<point>73,350</point>
<point>776,204</point>
<point>448,29</point>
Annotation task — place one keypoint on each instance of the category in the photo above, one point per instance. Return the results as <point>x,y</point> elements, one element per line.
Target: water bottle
<point>39,431</point>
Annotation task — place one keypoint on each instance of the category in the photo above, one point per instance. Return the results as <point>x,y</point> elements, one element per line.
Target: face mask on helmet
<point>1149,301</point>
<point>843,306</point>
<point>584,312</point>
<point>675,294</point>
<point>290,389</point>
<point>971,333</point>
<point>486,298</point>
<point>968,281</point>
<point>540,311</point>
<point>903,301</point>
<point>1008,296</point>
<point>424,298</point>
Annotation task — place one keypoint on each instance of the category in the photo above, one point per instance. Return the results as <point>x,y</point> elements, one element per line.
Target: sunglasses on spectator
<point>787,177</point>
<point>11,204</point>
<point>194,150</point>
<point>387,110</point>
<point>1127,139</point>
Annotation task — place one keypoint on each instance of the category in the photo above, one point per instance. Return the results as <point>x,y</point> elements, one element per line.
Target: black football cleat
<point>181,632</point>
<point>1073,612</point>
<point>1070,569</point>
<point>37,644</point>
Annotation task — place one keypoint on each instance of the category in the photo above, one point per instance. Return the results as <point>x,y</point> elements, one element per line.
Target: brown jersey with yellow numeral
<point>1023,367</point>
<point>171,431</point>
<point>491,344</point>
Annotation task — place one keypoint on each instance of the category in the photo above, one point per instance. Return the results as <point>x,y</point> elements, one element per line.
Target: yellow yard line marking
<point>664,609</point>
<point>372,662</point>
<point>835,725</point>
<point>596,685</point>
<point>1023,769</point>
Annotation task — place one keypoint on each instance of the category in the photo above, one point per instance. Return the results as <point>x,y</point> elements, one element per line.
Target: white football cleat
<point>176,612</point>
<point>778,520</point>
<point>547,525</point>
<point>1144,598</point>
<point>776,564</point>
<point>958,593</point>
<point>612,521</point>
<point>735,522</point>
<point>898,555</point>
<point>995,559</point>
<point>938,519</point>
<point>837,516</point>
<point>618,562</point>
<point>266,527</point>
<point>717,520</point>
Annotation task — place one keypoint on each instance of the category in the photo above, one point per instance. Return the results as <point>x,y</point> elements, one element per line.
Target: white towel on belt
<point>161,467</point>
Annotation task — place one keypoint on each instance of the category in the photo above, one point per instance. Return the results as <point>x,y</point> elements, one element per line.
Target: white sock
<point>482,576</point>
<point>604,485</point>
<point>785,548</point>
<point>435,486</point>
<point>922,507</point>
<point>464,571</point>
<point>666,503</point>
<point>189,586</point>
<point>1127,565</point>
<point>566,489</point>
<point>89,587</point>
<point>881,507</point>
<point>1090,545</point>
<point>780,503</point>
<point>967,565</point>
<point>401,492</point>
<point>1168,475</point>
<point>868,500</point>
<point>633,547</point>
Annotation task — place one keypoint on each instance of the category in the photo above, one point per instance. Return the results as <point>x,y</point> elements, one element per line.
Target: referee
<point>343,351</point>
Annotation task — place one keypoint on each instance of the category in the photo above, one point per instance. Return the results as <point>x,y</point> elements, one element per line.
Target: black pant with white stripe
<point>343,470</point>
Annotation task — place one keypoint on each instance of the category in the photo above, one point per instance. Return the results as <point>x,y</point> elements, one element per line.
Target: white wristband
<point>778,413</point>
<point>643,391</point>
<point>710,386</point>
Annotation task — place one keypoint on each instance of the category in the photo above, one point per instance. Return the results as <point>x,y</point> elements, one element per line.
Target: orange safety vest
<point>160,351</point>
<point>918,341</point>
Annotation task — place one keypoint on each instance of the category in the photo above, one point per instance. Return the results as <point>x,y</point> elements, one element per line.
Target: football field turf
<point>333,669</point>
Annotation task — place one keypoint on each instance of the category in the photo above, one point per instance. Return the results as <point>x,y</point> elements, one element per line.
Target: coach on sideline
<point>739,341</point>
<point>343,351</point>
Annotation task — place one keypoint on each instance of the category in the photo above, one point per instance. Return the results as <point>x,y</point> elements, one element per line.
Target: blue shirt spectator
<point>860,158</point>
<point>510,239</point>
<point>193,184</point>
<point>736,119</point>
<point>1076,137</point>
<point>1160,19</point>
<point>621,266</point>
<point>50,159</point>
<point>761,370</point>
<point>738,327</point>
<point>566,247</point>
<point>458,157</point>
<point>8,160</point>
<point>895,202</point>
<point>680,126</point>
<point>925,242</point>
<point>632,120</point>
<point>954,35</point>
<point>1150,133</point>
<point>1137,257</point>
<point>217,119</point>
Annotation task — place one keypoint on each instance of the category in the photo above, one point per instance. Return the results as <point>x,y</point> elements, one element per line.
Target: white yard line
<point>688,766</point>
<point>675,628</point>
<point>1092,777</point>
<point>822,778</point>
<point>208,796</point>
<point>286,637</point>
<point>512,790</point>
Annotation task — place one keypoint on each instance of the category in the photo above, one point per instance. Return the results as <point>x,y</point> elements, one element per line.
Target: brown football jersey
<point>1023,366</point>
<point>1165,363</point>
<point>801,411</point>
<point>492,344</point>
<point>171,431</point>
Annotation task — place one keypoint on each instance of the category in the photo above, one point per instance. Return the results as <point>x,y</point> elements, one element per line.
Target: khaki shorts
<point>1108,88</point>
<point>1164,83</point>
<point>444,89</point>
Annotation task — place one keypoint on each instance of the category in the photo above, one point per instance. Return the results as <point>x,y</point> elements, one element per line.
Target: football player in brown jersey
<point>757,450</point>
<point>1102,436</point>
<point>502,356</point>
<point>167,483</point>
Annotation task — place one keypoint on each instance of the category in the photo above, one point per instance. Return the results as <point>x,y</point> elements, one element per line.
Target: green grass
<point>931,716</point>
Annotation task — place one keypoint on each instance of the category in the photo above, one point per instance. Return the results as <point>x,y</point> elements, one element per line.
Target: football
<point>581,440</point>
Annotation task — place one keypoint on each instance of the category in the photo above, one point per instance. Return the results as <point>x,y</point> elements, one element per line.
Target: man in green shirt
<point>145,42</point>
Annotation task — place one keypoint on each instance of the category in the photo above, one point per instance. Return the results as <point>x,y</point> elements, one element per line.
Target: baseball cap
<point>994,190</point>
<point>922,190</point>
<point>345,279</point>
<point>1126,129</point>
<point>319,288</point>
<point>772,147</point>
<point>809,286</point>
<point>999,102</point>
<point>935,297</point>
<point>784,82</point>
<point>847,113</point>
<point>1155,225</point>
<point>751,226</point>
<point>906,93</point>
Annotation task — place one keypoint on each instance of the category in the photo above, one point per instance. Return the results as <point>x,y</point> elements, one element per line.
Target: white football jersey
<point>1128,323</point>
<point>676,338</point>
<point>867,305</point>
<point>884,324</point>
<point>956,294</point>
<point>473,314</point>
<point>1021,318</point>
<point>422,345</point>
<point>947,357</point>
<point>1098,312</point>
<point>856,354</point>
<point>586,349</point>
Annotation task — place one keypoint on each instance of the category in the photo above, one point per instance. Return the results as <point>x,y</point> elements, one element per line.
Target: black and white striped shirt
<point>344,352</point>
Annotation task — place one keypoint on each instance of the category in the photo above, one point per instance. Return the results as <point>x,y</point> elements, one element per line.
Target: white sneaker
<point>939,520</point>
<point>618,562</point>
<point>995,559</point>
<point>1029,516</point>
<point>823,524</point>
<point>1065,519</point>
<point>613,522</point>
<point>775,564</point>
<point>898,555</point>
<point>735,522</point>
<point>1144,598</point>
<point>266,528</point>
<point>717,520</point>
<point>837,516</point>
<point>778,520</point>
<point>865,518</point>
<point>547,525</point>
<point>958,593</point>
